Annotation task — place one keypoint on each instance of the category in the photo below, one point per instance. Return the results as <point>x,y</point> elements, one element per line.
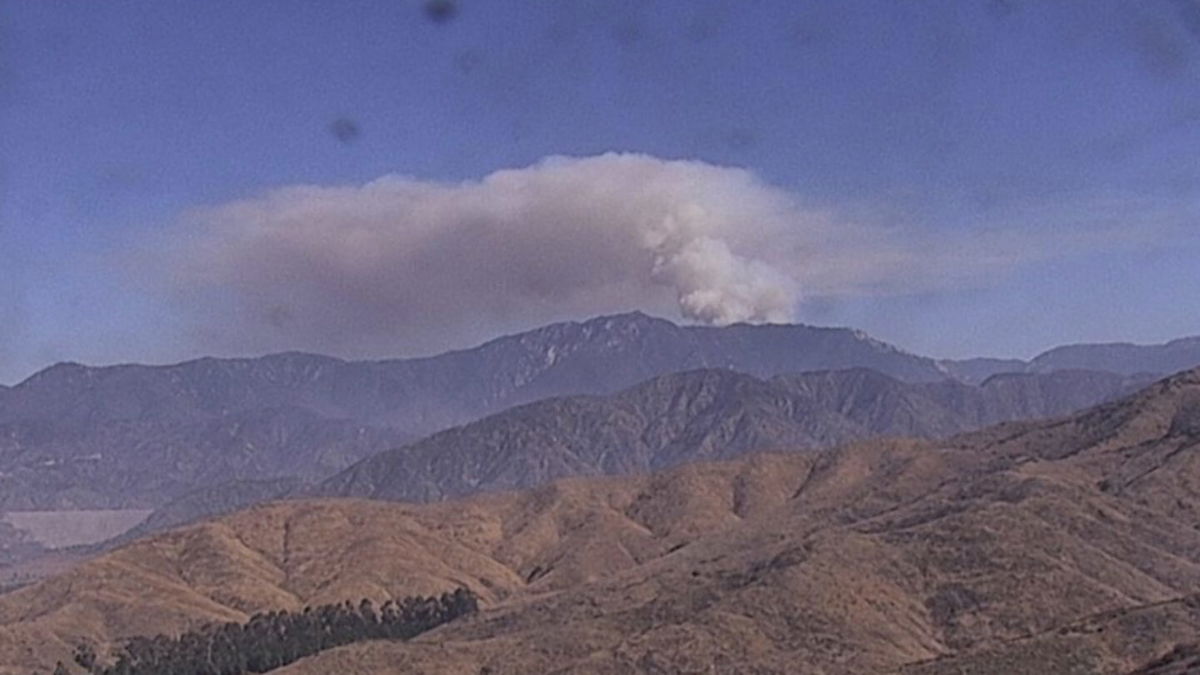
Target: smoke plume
<point>402,266</point>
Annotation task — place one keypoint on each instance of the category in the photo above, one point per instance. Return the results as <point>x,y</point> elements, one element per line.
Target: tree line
<point>274,639</point>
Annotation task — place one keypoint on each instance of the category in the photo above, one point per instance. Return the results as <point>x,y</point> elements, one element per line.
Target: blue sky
<point>1068,131</point>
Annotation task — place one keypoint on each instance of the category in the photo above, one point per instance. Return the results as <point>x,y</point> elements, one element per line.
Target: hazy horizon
<point>170,362</point>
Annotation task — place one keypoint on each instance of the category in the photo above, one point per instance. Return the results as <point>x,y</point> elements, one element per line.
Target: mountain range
<point>134,436</point>
<point>705,415</point>
<point>669,420</point>
<point>1116,357</point>
<point>1057,546</point>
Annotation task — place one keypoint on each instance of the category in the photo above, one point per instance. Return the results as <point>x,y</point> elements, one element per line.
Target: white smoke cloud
<point>716,286</point>
<point>402,266</point>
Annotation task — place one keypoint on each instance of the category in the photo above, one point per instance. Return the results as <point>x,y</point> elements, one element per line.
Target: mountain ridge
<point>668,420</point>
<point>1126,358</point>
<point>1186,351</point>
<point>702,415</point>
<point>68,433</point>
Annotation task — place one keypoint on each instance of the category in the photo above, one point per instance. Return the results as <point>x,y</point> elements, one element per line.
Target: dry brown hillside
<point>1059,547</point>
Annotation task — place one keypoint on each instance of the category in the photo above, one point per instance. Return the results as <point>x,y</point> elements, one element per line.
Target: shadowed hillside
<point>704,415</point>
<point>672,419</point>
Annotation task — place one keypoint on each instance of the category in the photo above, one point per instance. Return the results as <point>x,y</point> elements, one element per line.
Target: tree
<point>274,639</point>
<point>85,656</point>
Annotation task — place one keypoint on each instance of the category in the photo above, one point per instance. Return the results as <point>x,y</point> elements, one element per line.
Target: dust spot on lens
<point>441,11</point>
<point>1002,9</point>
<point>345,130</point>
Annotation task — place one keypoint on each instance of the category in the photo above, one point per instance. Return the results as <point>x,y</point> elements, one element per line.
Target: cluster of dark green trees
<point>275,639</point>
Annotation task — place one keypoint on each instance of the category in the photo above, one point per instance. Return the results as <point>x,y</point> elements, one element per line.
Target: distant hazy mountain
<point>139,436</point>
<point>704,415</point>
<point>143,463</point>
<point>1123,358</point>
<point>425,394</point>
<point>132,435</point>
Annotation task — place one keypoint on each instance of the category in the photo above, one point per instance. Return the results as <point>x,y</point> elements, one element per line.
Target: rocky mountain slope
<point>1065,546</point>
<point>704,415</point>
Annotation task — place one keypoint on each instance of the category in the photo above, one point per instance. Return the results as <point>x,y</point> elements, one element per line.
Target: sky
<point>386,178</point>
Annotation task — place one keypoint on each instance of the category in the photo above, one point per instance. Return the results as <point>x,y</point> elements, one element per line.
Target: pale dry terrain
<point>1067,546</point>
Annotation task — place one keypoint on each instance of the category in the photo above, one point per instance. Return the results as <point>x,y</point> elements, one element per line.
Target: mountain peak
<point>628,323</point>
<point>632,315</point>
<point>58,371</point>
<point>624,319</point>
